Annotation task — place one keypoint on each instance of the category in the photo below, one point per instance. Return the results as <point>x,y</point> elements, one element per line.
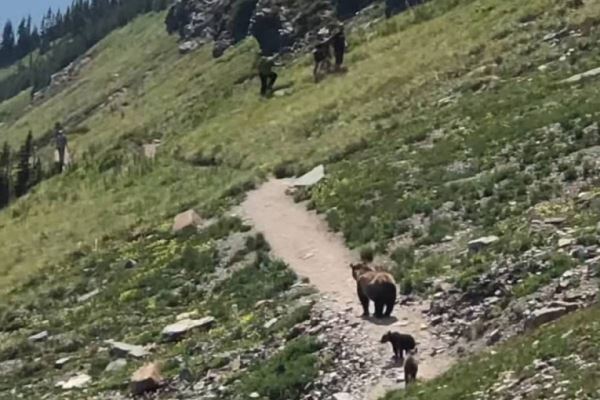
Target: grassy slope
<point>366,123</point>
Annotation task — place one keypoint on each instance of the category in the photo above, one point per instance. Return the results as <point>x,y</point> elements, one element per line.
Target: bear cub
<point>401,343</point>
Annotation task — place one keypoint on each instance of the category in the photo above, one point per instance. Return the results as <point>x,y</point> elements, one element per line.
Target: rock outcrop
<point>278,26</point>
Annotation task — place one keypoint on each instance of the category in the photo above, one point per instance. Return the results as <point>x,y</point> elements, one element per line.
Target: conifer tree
<point>5,171</point>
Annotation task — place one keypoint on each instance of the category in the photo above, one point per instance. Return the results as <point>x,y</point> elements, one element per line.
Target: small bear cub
<point>401,343</point>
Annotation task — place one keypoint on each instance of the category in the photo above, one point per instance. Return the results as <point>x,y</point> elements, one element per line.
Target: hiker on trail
<point>338,43</point>
<point>322,57</point>
<point>266,74</point>
<point>61,145</point>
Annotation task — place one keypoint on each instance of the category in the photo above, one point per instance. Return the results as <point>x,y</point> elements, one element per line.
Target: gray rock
<point>61,362</point>
<point>76,382</point>
<point>39,337</point>
<point>584,75</point>
<point>564,242</point>
<point>311,178</point>
<point>555,221</point>
<point>570,307</point>
<point>543,316</point>
<point>116,365</point>
<point>592,129</point>
<point>343,396</point>
<point>555,35</point>
<point>177,330</point>
<point>120,349</point>
<point>494,337</point>
<point>188,47</point>
<point>87,296</point>
<point>481,243</point>
<point>270,323</point>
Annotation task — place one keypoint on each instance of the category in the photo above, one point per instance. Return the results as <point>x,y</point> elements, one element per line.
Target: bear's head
<point>360,269</point>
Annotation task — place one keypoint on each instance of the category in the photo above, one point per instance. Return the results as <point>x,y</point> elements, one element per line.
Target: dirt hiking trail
<point>303,240</point>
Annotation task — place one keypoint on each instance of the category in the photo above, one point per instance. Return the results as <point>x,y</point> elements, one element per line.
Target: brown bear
<point>411,367</point>
<point>401,343</point>
<point>376,286</point>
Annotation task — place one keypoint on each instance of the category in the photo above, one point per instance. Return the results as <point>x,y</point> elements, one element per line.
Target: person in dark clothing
<point>338,43</point>
<point>322,57</point>
<point>266,74</point>
<point>181,17</point>
<point>61,145</point>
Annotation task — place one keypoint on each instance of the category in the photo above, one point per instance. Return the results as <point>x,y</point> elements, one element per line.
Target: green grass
<point>284,376</point>
<point>400,165</point>
<point>173,275</point>
<point>558,264</point>
<point>574,335</point>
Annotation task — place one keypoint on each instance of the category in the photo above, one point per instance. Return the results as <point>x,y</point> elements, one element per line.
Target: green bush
<point>284,376</point>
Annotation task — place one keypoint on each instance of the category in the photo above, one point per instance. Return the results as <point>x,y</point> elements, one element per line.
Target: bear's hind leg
<point>364,300</point>
<point>379,309</point>
<point>388,309</point>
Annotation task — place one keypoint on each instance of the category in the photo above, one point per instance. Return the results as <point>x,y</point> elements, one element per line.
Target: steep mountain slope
<point>453,122</point>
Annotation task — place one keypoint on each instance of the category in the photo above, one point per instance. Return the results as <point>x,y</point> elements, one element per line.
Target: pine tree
<point>8,44</point>
<point>5,170</point>
<point>24,169</point>
<point>24,39</point>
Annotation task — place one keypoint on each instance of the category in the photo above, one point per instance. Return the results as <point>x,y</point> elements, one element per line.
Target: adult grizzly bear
<point>376,286</point>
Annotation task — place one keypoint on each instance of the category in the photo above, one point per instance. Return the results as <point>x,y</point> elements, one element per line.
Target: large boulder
<point>39,337</point>
<point>177,330</point>
<point>77,382</point>
<point>120,349</point>
<point>543,316</point>
<point>311,178</point>
<point>188,220</point>
<point>146,379</point>
<point>482,243</point>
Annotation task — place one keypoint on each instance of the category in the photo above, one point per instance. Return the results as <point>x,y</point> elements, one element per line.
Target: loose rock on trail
<point>303,240</point>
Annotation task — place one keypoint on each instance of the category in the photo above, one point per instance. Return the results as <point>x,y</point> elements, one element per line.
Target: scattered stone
<point>177,330</point>
<point>555,35</point>
<point>570,307</point>
<point>254,395</point>
<point>584,75</point>
<point>565,242</point>
<point>494,337</point>
<point>543,316</point>
<point>87,296</point>
<point>555,221</point>
<point>39,337</point>
<point>483,242</point>
<point>145,379</point>
<point>150,150</point>
<point>343,396</point>
<point>188,47</point>
<point>116,365</point>
<point>262,303</point>
<point>311,178</point>
<point>270,323</point>
<point>77,382</point>
<point>61,362</point>
<point>120,349</point>
<point>186,220</point>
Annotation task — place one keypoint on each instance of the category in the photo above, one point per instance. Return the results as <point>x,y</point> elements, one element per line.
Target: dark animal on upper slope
<point>401,343</point>
<point>411,367</point>
<point>376,286</point>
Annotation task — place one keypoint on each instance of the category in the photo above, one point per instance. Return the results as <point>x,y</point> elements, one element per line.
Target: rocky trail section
<point>363,365</point>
